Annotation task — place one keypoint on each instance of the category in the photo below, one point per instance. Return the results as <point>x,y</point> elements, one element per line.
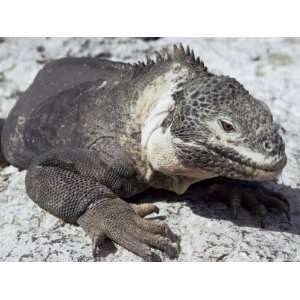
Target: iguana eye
<point>227,126</point>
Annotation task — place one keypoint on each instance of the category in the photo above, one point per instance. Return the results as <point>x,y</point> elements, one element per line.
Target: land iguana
<point>93,133</point>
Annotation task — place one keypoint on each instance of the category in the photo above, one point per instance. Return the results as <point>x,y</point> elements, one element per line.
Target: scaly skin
<point>93,133</point>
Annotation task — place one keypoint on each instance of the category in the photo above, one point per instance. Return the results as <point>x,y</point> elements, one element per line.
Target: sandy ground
<point>269,68</point>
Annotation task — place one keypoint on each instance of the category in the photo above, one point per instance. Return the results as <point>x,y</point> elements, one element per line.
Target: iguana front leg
<point>252,195</point>
<point>80,188</point>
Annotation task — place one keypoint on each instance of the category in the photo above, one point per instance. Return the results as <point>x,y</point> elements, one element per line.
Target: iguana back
<point>44,117</point>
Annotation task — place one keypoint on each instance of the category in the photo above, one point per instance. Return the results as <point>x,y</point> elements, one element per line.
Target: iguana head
<point>219,127</point>
<point>214,125</point>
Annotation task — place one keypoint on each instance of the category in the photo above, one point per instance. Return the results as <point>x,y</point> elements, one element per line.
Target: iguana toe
<point>145,209</point>
<point>157,227</point>
<point>159,242</point>
<point>98,239</point>
<point>275,202</point>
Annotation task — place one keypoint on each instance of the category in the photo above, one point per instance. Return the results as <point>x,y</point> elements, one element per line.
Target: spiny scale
<point>179,54</point>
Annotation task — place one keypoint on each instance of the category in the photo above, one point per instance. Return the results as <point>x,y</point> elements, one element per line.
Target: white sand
<point>269,68</point>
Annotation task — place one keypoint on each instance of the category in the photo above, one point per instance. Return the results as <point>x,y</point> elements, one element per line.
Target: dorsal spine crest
<point>181,55</point>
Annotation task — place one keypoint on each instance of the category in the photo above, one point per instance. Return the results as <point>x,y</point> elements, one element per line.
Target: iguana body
<point>93,132</point>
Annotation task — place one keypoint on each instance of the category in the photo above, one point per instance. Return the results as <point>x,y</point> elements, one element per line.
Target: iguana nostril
<point>268,146</point>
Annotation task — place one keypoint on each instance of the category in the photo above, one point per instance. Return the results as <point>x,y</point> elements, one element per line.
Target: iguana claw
<point>253,196</point>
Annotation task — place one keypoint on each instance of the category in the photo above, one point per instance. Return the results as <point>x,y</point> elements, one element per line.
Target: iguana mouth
<point>255,172</point>
<point>240,167</point>
<point>251,169</point>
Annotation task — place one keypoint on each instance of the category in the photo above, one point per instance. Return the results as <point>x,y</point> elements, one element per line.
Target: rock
<point>150,38</point>
<point>207,230</point>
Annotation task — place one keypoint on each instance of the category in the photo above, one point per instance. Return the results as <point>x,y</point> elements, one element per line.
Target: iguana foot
<point>252,195</point>
<point>124,224</point>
